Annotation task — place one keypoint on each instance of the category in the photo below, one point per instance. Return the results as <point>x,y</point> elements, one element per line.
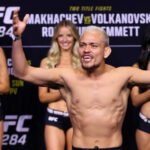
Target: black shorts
<point>143,123</point>
<point>58,119</point>
<point>97,148</point>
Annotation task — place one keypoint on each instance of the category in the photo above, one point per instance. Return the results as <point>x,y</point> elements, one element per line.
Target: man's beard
<point>89,68</point>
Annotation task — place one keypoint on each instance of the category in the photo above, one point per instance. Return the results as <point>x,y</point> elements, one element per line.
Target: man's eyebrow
<point>88,43</point>
<point>91,43</point>
<point>82,43</point>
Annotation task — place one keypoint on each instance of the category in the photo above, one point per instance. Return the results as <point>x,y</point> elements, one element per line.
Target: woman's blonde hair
<point>54,52</point>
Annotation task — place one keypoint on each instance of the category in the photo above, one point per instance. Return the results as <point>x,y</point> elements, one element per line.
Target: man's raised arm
<point>20,65</point>
<point>22,70</point>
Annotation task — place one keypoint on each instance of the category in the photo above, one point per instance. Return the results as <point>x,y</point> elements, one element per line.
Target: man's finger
<point>25,19</point>
<point>16,12</point>
<point>15,16</point>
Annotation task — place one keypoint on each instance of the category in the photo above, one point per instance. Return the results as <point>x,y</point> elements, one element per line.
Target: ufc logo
<point>16,121</point>
<point>6,14</point>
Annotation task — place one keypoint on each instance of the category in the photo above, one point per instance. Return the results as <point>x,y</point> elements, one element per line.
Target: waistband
<point>97,148</point>
<point>144,118</point>
<point>57,112</point>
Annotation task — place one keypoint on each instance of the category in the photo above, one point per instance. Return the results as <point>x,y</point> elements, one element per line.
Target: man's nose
<point>87,48</point>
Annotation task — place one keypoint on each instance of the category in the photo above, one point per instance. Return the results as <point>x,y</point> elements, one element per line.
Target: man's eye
<point>94,45</point>
<point>82,45</point>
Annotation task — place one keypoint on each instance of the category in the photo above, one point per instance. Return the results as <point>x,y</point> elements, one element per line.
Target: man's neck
<point>96,71</point>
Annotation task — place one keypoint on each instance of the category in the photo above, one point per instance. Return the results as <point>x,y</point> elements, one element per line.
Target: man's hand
<point>18,25</point>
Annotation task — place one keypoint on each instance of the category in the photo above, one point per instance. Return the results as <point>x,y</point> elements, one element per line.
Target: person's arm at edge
<point>137,97</point>
<point>4,75</point>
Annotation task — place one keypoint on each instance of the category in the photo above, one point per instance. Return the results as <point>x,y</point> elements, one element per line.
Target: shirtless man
<point>96,93</point>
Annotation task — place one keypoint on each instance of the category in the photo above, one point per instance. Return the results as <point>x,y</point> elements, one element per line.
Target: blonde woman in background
<point>63,54</point>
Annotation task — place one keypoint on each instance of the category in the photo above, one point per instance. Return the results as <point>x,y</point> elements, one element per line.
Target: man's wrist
<point>15,38</point>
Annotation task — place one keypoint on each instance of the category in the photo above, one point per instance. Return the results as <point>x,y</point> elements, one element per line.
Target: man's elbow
<point>16,74</point>
<point>22,72</point>
<point>19,75</point>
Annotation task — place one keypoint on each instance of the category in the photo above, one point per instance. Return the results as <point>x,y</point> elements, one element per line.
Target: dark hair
<point>145,51</point>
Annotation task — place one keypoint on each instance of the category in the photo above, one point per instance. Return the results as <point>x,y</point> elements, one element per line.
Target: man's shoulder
<point>109,67</point>
<point>125,70</point>
<point>73,72</point>
<point>120,68</point>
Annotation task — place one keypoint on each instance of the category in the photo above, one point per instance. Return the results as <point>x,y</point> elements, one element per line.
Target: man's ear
<point>107,52</point>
